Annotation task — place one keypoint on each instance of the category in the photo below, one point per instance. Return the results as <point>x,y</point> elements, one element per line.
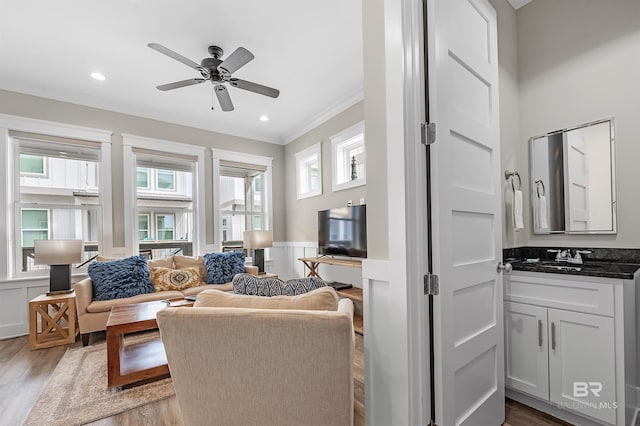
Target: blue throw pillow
<point>222,267</point>
<point>121,278</point>
<point>256,286</point>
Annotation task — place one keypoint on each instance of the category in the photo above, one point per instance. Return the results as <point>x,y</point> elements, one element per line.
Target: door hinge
<point>428,133</point>
<point>431,285</point>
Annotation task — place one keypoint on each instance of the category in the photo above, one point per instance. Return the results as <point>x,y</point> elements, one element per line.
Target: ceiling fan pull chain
<point>212,98</point>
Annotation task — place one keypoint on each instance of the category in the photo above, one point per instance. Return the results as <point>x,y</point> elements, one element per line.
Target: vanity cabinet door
<point>582,363</point>
<point>526,353</point>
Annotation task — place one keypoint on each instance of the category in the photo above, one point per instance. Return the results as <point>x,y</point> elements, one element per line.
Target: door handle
<point>553,336</point>
<point>506,267</point>
<point>540,333</point>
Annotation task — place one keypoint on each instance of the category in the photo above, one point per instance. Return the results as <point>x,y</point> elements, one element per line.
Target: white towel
<point>518,221</point>
<point>542,212</point>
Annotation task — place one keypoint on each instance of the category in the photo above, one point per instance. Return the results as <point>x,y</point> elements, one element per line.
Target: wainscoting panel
<point>14,305</point>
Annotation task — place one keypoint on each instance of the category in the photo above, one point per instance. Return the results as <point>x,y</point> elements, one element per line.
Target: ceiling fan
<point>218,72</point>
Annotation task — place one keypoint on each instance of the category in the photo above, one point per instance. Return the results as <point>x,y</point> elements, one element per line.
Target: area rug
<point>77,390</point>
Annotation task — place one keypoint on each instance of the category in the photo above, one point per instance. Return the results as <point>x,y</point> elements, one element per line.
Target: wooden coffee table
<point>139,362</point>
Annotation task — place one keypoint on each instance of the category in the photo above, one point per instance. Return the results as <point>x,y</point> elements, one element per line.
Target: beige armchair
<point>240,366</point>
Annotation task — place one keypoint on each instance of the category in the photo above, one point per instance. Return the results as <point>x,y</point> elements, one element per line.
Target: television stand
<point>313,262</point>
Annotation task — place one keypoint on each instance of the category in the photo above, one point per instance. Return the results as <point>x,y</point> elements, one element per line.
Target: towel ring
<point>508,175</point>
<point>538,184</point>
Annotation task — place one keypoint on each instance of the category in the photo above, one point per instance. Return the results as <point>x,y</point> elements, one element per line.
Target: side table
<point>52,310</point>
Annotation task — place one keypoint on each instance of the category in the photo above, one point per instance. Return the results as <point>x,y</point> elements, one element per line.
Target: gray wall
<point>578,61</point>
<point>509,117</point>
<point>375,128</point>
<point>63,112</point>
<point>302,215</point>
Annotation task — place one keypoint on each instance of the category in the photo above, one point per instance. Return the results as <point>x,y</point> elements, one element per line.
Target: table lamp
<point>59,254</point>
<point>258,241</point>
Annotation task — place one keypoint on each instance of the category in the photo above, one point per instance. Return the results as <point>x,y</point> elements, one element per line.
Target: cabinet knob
<point>504,267</point>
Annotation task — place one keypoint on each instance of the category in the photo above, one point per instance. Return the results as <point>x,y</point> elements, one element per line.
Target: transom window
<point>309,172</point>
<point>348,158</point>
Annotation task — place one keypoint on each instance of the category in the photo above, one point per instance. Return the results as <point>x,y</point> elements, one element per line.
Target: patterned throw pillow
<point>117,279</point>
<point>256,286</point>
<point>222,267</point>
<point>165,279</point>
<point>181,262</point>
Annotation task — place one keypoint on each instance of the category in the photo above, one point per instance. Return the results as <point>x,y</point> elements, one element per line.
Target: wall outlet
<point>349,203</point>
<point>362,201</point>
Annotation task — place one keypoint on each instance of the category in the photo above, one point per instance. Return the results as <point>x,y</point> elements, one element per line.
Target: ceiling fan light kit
<point>218,72</point>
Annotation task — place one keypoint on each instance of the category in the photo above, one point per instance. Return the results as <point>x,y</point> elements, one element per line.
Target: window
<point>63,203</point>
<point>348,158</point>
<point>143,227</point>
<point>164,227</point>
<point>242,195</point>
<point>165,179</point>
<point>309,172</point>
<point>32,165</point>
<point>34,225</point>
<point>168,214</point>
<point>142,177</point>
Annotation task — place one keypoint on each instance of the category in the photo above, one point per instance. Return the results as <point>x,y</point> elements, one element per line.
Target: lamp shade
<point>58,252</point>
<point>258,239</point>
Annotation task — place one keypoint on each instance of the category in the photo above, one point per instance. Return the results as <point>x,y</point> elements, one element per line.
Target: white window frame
<point>303,159</point>
<point>8,153</point>
<point>23,229</point>
<point>45,168</point>
<point>267,189</point>
<point>148,178</point>
<point>173,173</point>
<point>337,161</point>
<point>156,229</point>
<point>149,228</point>
<point>131,142</point>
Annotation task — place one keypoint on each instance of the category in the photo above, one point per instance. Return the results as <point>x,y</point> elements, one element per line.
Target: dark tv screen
<point>343,231</point>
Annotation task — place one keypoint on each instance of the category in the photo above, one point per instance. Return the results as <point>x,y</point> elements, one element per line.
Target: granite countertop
<point>624,271</point>
<point>620,263</point>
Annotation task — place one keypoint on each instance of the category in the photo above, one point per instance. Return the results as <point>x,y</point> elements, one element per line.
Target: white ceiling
<point>311,51</point>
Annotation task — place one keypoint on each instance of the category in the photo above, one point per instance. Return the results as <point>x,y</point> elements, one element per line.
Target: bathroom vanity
<point>571,337</point>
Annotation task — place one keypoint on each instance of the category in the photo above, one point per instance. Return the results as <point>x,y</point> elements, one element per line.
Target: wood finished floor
<point>24,373</point>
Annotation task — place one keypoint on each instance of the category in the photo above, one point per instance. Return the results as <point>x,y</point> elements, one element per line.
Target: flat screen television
<point>343,231</point>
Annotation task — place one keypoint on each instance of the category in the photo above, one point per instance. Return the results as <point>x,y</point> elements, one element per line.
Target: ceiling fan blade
<point>239,58</point>
<point>223,97</point>
<point>178,57</point>
<point>254,87</point>
<point>183,83</point>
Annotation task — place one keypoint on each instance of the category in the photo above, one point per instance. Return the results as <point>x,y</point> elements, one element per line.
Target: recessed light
<point>264,118</point>
<point>98,76</point>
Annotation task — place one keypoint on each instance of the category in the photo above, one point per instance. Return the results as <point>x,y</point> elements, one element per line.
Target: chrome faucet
<point>565,255</point>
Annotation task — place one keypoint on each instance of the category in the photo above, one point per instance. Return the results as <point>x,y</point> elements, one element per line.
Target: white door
<point>582,363</point>
<point>466,214</point>
<point>526,350</point>
<point>576,182</point>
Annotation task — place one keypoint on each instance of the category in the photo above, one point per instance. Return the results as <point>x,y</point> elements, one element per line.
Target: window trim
<point>315,149</point>
<point>148,187</point>
<point>8,154</point>
<point>337,139</point>
<point>131,142</point>
<point>267,189</point>
<point>45,168</point>
<point>22,229</point>
<point>157,182</point>
<point>156,229</point>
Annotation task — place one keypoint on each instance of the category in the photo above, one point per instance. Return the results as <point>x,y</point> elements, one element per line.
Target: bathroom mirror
<point>573,180</point>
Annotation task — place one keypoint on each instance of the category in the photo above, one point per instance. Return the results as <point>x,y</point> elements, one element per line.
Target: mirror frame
<point>614,202</point>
